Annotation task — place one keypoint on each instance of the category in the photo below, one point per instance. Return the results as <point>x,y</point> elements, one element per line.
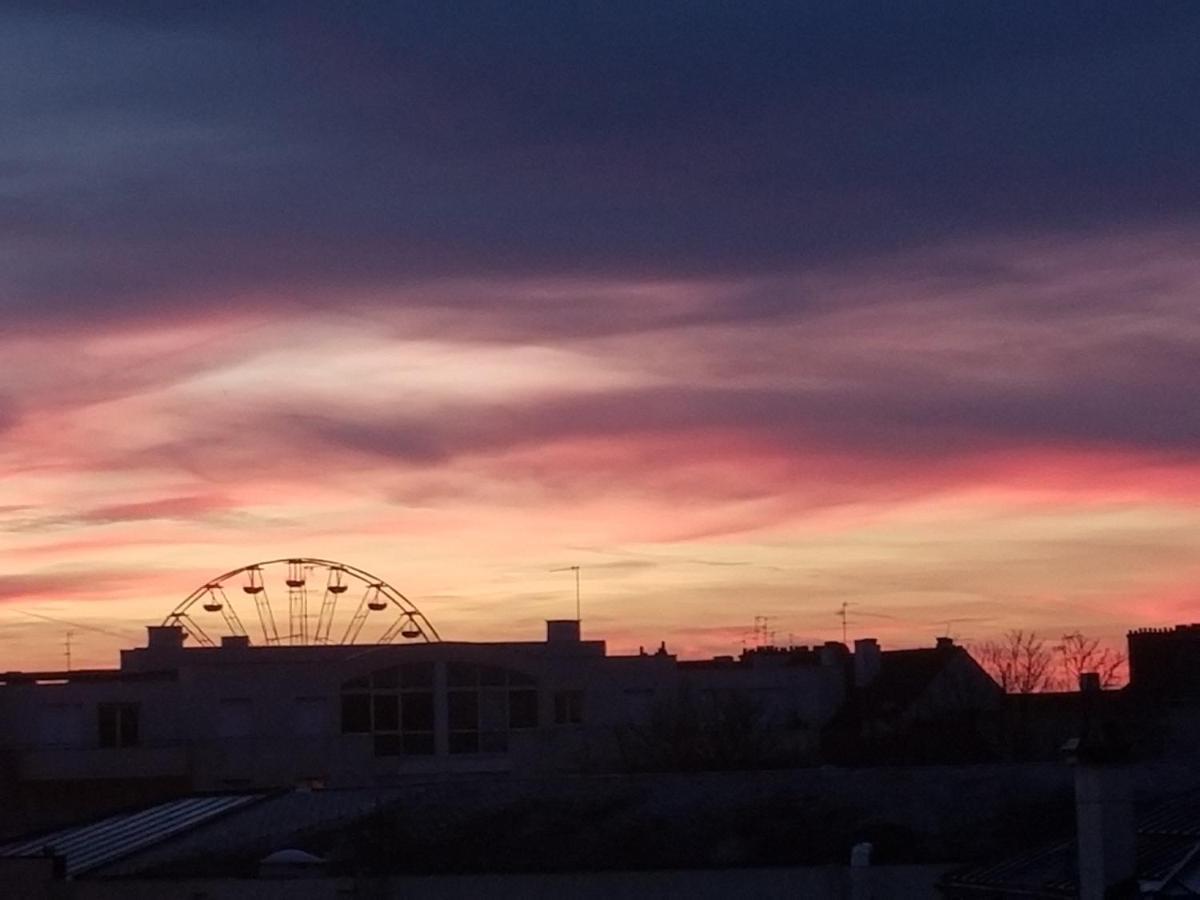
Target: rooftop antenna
<point>67,644</point>
<point>844,615</point>
<point>575,569</point>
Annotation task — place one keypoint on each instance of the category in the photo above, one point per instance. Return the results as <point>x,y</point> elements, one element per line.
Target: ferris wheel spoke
<point>258,590</point>
<point>356,623</point>
<point>194,630</point>
<point>232,621</point>
<point>335,586</point>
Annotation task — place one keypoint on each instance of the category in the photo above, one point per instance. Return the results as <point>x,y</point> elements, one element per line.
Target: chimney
<point>945,643</point>
<point>867,661</point>
<point>164,638</point>
<point>832,653</point>
<point>235,642</point>
<point>562,631</point>
<point>1104,821</point>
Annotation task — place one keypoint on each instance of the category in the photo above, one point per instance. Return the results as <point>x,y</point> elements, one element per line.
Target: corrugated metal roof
<point>258,830</point>
<point>86,847</point>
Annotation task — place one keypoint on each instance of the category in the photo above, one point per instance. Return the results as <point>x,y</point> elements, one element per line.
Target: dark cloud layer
<point>168,160</point>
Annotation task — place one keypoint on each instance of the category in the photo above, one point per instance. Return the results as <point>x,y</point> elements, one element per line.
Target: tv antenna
<point>574,569</point>
<point>844,615</point>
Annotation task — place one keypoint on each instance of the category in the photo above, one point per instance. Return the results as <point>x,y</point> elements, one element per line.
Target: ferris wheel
<point>327,603</point>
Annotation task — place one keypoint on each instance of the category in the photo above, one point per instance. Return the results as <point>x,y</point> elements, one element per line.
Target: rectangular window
<point>387,712</point>
<point>568,708</point>
<point>493,742</point>
<point>418,743</point>
<point>493,709</point>
<point>522,709</point>
<point>387,745</point>
<point>356,714</point>
<point>463,709</point>
<point>118,724</point>
<point>416,711</point>
<point>464,742</point>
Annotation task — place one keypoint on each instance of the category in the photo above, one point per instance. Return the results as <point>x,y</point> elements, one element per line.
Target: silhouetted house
<point>933,704</point>
<point>1158,710</point>
<point>1164,663</point>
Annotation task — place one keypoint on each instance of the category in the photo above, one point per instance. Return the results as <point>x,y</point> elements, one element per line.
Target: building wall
<point>239,716</point>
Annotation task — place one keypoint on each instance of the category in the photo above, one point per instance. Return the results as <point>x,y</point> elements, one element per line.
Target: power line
<point>56,620</point>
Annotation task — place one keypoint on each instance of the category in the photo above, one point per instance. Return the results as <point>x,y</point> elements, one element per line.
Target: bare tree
<point>1020,661</point>
<point>1078,653</point>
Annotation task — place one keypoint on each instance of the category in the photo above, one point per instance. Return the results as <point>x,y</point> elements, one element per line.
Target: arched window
<point>396,706</point>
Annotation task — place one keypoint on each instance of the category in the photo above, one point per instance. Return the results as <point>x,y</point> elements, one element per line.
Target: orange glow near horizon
<point>701,473</point>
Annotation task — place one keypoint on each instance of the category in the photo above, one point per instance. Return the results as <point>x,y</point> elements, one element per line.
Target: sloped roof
<point>1166,838</point>
<point>904,675</point>
<point>95,844</point>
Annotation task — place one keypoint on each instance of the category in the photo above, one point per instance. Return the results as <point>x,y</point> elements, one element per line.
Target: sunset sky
<point>746,309</point>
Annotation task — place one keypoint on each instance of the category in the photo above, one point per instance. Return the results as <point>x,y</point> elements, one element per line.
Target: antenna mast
<point>844,615</point>
<point>574,569</point>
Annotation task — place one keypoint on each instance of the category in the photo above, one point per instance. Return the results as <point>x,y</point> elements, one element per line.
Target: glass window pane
<point>493,742</point>
<point>107,720</point>
<point>418,744</point>
<point>129,725</point>
<point>387,712</point>
<point>515,677</point>
<point>464,742</point>
<point>522,709</point>
<point>387,745</point>
<point>568,707</point>
<point>356,714</point>
<point>493,709</point>
<point>462,675</point>
<point>463,710</point>
<point>416,708</point>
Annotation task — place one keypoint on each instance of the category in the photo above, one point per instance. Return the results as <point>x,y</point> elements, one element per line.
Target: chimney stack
<point>562,631</point>
<point>1105,831</point>
<point>868,659</point>
<point>164,638</point>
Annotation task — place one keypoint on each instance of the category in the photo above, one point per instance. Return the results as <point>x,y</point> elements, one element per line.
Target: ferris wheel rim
<point>407,607</point>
